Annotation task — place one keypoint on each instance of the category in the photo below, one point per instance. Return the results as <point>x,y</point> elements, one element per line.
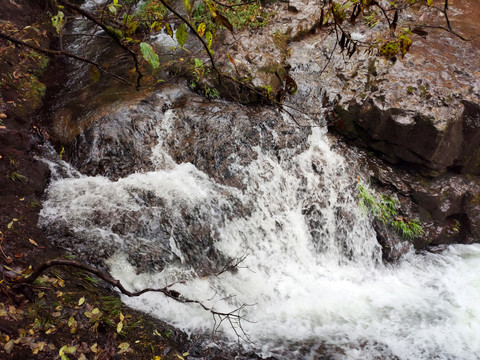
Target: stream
<point>173,188</point>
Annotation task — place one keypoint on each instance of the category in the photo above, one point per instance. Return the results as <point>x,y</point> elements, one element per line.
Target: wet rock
<point>436,249</point>
<point>393,245</point>
<point>423,109</point>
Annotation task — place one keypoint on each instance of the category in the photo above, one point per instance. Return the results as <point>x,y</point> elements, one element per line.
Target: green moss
<point>385,209</point>
<point>389,49</point>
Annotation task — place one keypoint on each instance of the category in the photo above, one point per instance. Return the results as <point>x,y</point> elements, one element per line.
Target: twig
<point>65,54</point>
<point>234,5</point>
<point>234,317</point>
<point>192,28</point>
<point>109,32</point>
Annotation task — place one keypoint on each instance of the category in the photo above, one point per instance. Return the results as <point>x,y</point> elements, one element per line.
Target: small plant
<point>385,210</point>
<point>212,93</point>
<point>17,177</point>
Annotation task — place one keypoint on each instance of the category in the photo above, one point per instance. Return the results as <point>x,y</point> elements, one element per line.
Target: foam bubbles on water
<point>312,273</point>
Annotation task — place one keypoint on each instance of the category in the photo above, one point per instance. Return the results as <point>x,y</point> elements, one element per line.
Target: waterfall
<point>311,276</point>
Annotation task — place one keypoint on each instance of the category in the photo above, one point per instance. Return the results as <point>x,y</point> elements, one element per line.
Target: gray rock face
<point>422,109</point>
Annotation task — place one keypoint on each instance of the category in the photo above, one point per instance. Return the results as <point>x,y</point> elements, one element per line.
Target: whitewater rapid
<point>312,275</point>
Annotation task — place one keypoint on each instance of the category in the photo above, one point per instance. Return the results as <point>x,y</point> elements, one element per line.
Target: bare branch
<point>192,28</point>
<point>65,54</point>
<point>110,33</point>
<point>234,317</point>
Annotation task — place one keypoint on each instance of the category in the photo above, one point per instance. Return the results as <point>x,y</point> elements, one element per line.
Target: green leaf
<point>211,8</point>
<point>198,62</point>
<point>209,37</point>
<point>188,6</point>
<point>169,29</point>
<point>149,54</point>
<point>58,21</point>
<point>67,350</point>
<point>112,9</point>
<point>157,26</point>
<point>181,34</point>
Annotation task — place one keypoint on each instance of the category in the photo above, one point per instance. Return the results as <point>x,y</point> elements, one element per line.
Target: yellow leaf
<point>10,224</point>
<point>51,330</point>
<point>67,350</point>
<point>71,321</point>
<point>201,29</point>
<point>15,219</point>
<point>81,301</point>
<point>94,348</point>
<point>119,327</point>
<point>122,317</point>
<point>95,311</point>
<point>123,347</point>
<point>41,294</point>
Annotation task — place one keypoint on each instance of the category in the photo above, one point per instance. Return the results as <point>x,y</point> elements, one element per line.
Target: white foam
<point>313,272</point>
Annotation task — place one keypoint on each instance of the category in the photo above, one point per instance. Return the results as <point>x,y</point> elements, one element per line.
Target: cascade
<point>311,276</point>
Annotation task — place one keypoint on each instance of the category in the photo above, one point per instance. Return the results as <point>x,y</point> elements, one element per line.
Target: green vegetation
<point>17,177</point>
<point>385,209</point>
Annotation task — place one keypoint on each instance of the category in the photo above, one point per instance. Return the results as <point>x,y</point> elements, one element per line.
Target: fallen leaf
<point>51,330</point>
<point>81,301</point>
<point>123,347</point>
<point>9,347</point>
<point>94,348</point>
<point>119,327</point>
<point>57,314</point>
<point>71,321</point>
<point>33,242</point>
<point>38,347</point>
<point>41,294</point>
<point>122,317</point>
<point>95,311</point>
<point>67,350</point>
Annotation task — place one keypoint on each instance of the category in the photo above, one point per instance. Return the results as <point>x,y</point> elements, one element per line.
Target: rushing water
<point>312,276</point>
<point>191,187</point>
